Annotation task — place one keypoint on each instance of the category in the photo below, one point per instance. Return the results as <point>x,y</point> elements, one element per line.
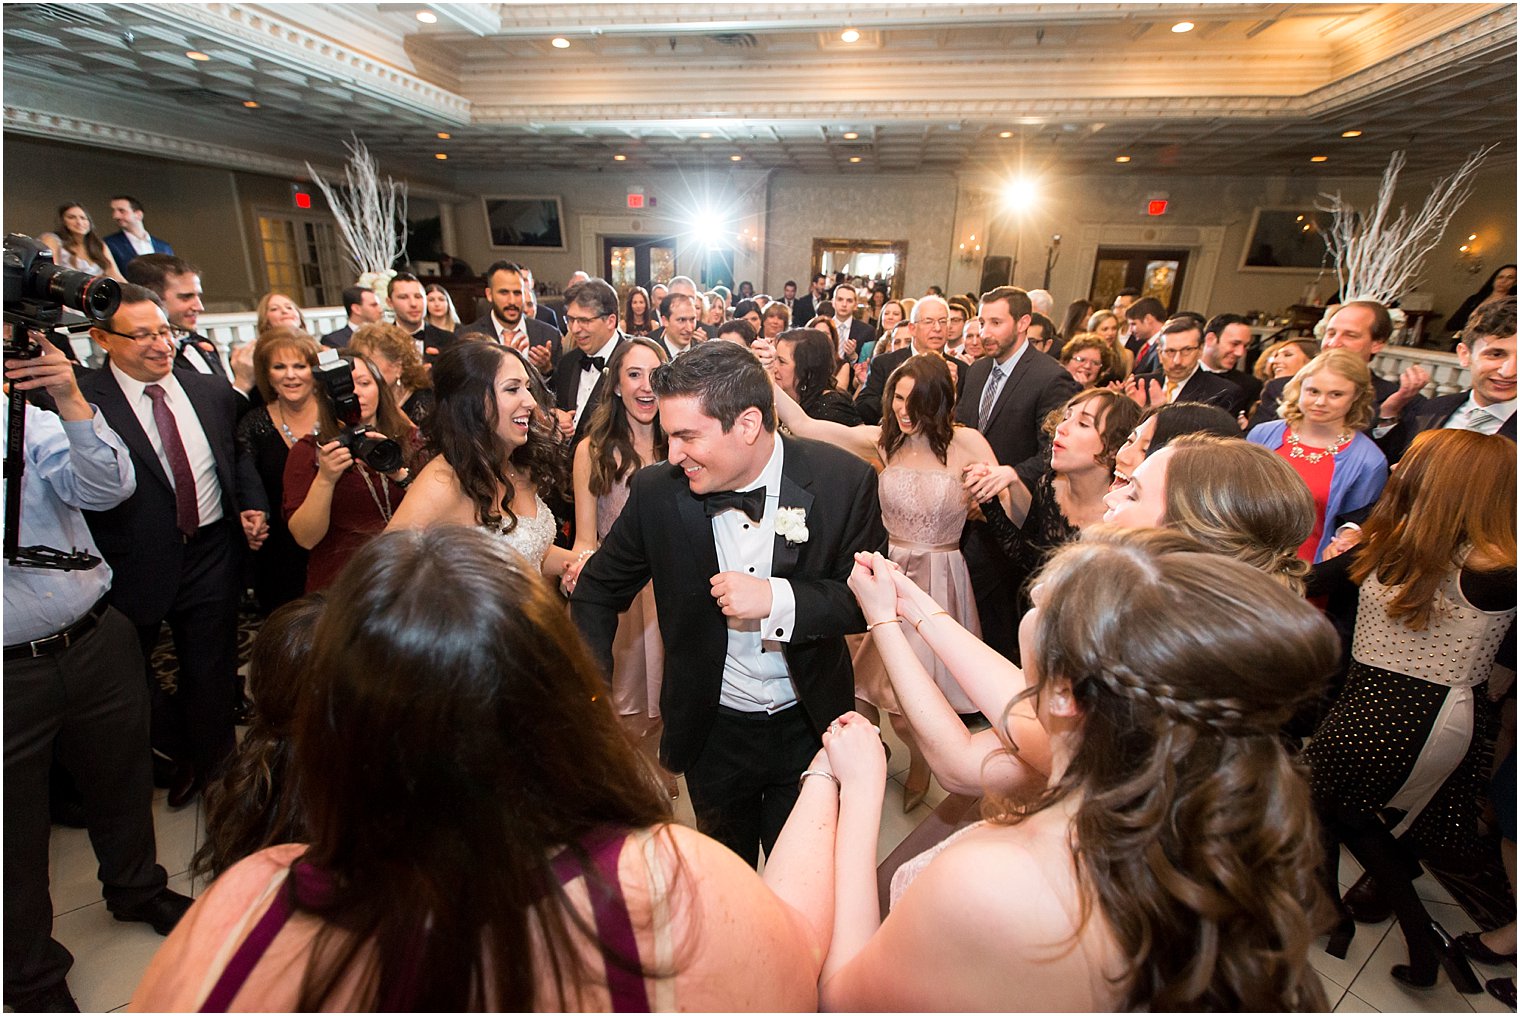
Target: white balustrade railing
<point>228,331</point>
<point>1446,374</point>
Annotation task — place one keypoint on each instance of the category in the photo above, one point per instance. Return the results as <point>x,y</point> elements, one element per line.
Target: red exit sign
<point>635,201</point>
<point>1156,206</point>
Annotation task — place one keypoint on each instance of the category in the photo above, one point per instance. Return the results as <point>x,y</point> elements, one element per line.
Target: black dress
<point>1029,546</point>
<point>279,566</point>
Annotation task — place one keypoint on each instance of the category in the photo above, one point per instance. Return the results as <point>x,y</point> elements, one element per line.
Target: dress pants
<point>87,702</point>
<point>744,782</point>
<point>195,723</point>
<point>995,588</point>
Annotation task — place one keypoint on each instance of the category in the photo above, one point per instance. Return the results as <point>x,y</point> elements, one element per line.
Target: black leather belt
<point>71,635</point>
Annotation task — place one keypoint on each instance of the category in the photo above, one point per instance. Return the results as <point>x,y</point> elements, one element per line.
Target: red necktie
<point>187,515</point>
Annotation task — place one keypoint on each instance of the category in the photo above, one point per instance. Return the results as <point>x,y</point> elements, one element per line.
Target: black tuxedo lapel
<point>120,415</point>
<point>700,542</point>
<point>795,479</point>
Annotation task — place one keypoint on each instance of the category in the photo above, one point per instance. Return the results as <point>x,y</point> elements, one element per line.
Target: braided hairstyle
<point>1192,832</point>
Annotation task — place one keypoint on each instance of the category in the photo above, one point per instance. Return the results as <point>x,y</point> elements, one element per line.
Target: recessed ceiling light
<point>1319,158</point>
<point>620,157</point>
<point>250,104</point>
<point>197,55</point>
<point>444,135</point>
<point>851,135</point>
<point>1121,158</point>
<point>705,135</point>
<point>560,42</point>
<point>854,158</point>
<point>441,155</point>
<point>735,158</point>
<point>1005,134</point>
<point>1351,134</point>
<point>849,35</point>
<point>1183,26</point>
<point>427,17</point>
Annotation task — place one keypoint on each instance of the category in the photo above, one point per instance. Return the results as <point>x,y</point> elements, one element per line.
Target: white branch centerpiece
<point>371,215</point>
<point>1378,255</point>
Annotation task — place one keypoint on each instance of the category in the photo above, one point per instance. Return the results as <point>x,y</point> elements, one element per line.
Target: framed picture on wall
<point>532,222</point>
<point>1287,240</point>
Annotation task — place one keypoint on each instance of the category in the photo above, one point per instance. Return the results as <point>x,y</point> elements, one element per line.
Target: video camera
<point>336,376</point>
<point>37,290</point>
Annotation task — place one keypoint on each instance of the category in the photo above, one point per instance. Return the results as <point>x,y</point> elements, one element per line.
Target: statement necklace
<point>1296,450</point>
<point>288,435</point>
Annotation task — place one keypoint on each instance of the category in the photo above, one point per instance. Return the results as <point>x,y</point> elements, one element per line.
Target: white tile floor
<point>110,956</point>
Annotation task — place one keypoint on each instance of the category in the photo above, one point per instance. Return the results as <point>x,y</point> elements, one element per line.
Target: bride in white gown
<point>493,453</point>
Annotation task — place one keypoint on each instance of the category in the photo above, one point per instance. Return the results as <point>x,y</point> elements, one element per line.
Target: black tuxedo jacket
<point>1431,415</point>
<point>338,337</point>
<point>539,334</point>
<point>1016,426</point>
<point>868,399</point>
<point>803,310</point>
<point>663,534</point>
<point>434,341</point>
<point>138,538</point>
<point>1266,411</point>
<point>567,384</point>
<point>861,332</point>
<point>546,315</point>
<point>1249,385</point>
<point>1201,387</point>
<point>213,360</point>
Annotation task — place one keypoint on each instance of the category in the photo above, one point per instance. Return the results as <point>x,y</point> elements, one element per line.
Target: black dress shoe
<point>161,912</point>
<point>1365,902</point>
<point>54,999</point>
<point>1502,988</point>
<point>163,771</point>
<point>1471,943</point>
<point>184,786</point>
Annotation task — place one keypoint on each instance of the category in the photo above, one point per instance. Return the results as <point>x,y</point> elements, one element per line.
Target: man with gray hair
<point>931,320</point>
<point>1041,302</point>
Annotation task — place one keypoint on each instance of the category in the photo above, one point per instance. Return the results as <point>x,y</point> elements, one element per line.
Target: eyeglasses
<point>942,322</point>
<point>572,320</point>
<point>1185,350</point>
<point>167,334</point>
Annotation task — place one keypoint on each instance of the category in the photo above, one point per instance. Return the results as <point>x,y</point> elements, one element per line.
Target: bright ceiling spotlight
<point>851,135</point>
<point>250,104</point>
<point>1183,26</point>
<point>1020,192</point>
<point>1121,158</point>
<point>735,158</point>
<point>427,17</point>
<point>441,156</point>
<point>849,35</point>
<point>1005,134</point>
<point>1351,134</point>
<point>197,55</point>
<point>560,42</point>
<point>711,229</point>
<point>854,158</point>
<point>1319,158</point>
<point>620,157</point>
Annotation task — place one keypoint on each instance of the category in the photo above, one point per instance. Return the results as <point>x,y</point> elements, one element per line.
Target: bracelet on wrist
<point>818,772</point>
<point>877,624</point>
<point>917,625</point>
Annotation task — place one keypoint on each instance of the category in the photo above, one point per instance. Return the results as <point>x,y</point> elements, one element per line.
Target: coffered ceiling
<point>1250,89</point>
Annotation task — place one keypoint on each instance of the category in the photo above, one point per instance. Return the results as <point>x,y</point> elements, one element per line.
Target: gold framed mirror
<point>875,260</point>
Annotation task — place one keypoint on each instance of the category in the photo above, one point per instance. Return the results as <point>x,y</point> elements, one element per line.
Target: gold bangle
<point>878,624</point>
<point>920,622</point>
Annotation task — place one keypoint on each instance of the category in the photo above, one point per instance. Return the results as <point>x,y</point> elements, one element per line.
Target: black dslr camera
<point>37,290</point>
<point>337,379</point>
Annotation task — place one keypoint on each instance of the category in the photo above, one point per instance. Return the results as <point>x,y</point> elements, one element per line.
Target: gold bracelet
<point>878,624</point>
<point>920,622</point>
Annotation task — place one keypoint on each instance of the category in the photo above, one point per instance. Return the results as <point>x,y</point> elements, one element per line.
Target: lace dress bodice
<point>610,505</point>
<point>532,537</point>
<point>922,508</point>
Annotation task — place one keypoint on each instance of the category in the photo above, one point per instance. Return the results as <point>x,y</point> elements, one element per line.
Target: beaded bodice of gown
<point>531,537</point>
<point>922,507</point>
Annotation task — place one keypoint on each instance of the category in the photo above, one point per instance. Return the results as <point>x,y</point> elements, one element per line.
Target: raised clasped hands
<point>856,756</point>
<point>871,582</point>
<point>984,481</point>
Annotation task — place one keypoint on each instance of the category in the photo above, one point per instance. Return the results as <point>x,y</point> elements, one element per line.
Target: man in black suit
<point>1487,350</point>
<point>856,333</point>
<point>806,308</point>
<point>178,285</point>
<point>409,303</point>
<point>507,324</point>
<point>679,312</point>
<point>1362,327</point>
<point>789,295</point>
<point>175,546</point>
<point>750,589</point>
<point>931,319</point>
<point>534,309</point>
<point>591,311</point>
<point>1182,378</point>
<point>1145,319</point>
<point>1225,340</point>
<point>363,308</point>
<point>1007,396</point>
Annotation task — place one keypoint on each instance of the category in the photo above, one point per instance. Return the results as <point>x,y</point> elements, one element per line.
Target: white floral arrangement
<point>791,525</point>
<point>378,283</point>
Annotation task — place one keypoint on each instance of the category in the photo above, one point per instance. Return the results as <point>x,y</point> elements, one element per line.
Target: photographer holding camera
<point>73,688</point>
<point>343,485</point>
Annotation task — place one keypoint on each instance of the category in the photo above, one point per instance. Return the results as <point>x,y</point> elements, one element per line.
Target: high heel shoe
<point>1471,944</point>
<point>1420,971</point>
<point>1340,937</point>
<point>916,783</point>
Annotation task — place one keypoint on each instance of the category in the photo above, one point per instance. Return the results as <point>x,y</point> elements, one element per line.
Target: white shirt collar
<point>133,389</point>
<point>770,475</point>
<point>1498,410</point>
<point>1006,367</point>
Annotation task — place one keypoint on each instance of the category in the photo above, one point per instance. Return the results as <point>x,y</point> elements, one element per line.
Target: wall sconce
<point>749,239</point>
<point>970,250</point>
<point>1468,258</point>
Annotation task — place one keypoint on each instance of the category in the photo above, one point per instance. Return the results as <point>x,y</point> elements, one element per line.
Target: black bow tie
<point>750,502</point>
<point>594,363</point>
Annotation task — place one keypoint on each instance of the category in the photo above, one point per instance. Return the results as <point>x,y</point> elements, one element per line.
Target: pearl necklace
<point>1296,450</point>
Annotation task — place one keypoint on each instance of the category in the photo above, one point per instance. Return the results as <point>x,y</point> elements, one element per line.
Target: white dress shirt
<point>755,676</point>
<point>141,244</point>
<point>208,489</point>
<point>589,378</point>
<point>1490,419</point>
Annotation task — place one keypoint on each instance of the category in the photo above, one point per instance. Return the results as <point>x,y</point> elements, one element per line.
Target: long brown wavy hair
<point>609,433</point>
<point>931,404</point>
<point>448,747</point>
<point>255,804</point>
<point>389,419</point>
<point>1454,491</point>
<point>94,246</point>
<point>1193,832</point>
<point>463,429</point>
<point>1117,415</point>
<point>397,345</point>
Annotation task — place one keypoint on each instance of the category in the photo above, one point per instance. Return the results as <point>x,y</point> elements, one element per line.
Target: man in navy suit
<point>1225,339</point>
<point>363,308</point>
<point>507,323</point>
<point>132,238</point>
<point>1487,350</point>
<point>1182,377</point>
<point>175,546</point>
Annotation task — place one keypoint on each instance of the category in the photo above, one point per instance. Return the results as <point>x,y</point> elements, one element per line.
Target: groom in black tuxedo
<point>749,538</point>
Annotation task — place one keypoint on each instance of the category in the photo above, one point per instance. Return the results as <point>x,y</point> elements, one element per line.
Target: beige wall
<point>210,215</point>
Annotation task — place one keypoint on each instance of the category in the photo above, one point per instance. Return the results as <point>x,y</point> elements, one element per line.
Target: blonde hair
<point>261,312</point>
<point>1337,361</point>
<point>394,344</point>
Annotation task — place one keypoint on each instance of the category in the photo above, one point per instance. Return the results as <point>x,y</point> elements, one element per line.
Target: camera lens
<point>92,295</point>
<point>380,453</point>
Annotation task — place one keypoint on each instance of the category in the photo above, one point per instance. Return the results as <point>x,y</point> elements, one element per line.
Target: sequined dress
<point>1407,731</point>
<point>924,511</point>
<point>638,655</point>
<point>531,537</point>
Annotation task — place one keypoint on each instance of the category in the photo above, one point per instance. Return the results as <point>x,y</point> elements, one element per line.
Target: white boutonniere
<point>791,524</point>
